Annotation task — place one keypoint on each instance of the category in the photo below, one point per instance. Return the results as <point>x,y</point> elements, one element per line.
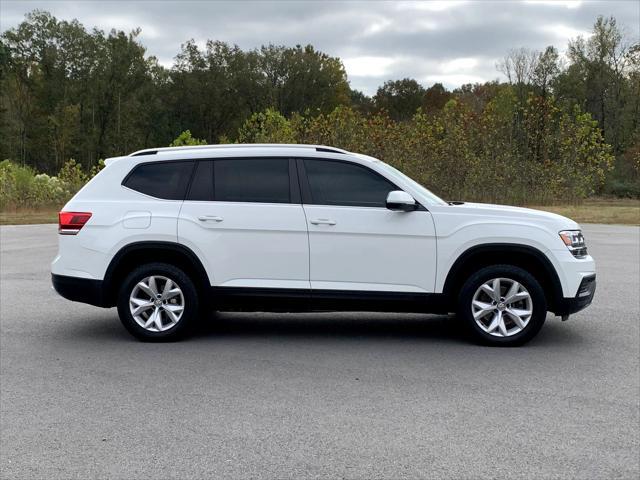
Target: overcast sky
<point>452,42</point>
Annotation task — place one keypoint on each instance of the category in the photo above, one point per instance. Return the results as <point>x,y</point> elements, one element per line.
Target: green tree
<point>400,98</point>
<point>214,90</point>
<point>70,93</point>
<point>546,70</point>
<point>301,79</point>
<point>267,127</point>
<point>435,98</point>
<point>185,139</point>
<point>361,102</point>
<point>600,79</point>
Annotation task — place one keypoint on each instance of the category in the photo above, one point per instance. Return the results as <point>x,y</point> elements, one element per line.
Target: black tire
<point>476,280</point>
<point>189,296</point>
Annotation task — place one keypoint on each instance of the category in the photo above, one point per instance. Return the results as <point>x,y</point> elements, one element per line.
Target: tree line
<point>73,93</point>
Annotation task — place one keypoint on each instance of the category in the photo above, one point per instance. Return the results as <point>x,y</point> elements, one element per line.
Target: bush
<point>72,175</point>
<point>625,179</point>
<point>21,187</point>
<point>185,138</point>
<point>622,188</point>
<point>515,152</point>
<point>509,151</point>
<point>266,127</point>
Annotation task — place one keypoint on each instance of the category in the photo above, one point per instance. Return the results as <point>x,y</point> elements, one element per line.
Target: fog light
<point>587,287</point>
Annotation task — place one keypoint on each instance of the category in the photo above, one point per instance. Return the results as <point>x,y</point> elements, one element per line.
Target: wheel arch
<point>135,254</point>
<point>524,256</point>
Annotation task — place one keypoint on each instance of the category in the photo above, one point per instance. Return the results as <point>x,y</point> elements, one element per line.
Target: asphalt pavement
<point>354,395</point>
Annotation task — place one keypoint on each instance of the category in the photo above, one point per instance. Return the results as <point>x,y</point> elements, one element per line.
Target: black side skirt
<point>298,300</point>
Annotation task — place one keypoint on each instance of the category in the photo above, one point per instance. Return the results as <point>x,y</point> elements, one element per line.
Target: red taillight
<point>70,223</point>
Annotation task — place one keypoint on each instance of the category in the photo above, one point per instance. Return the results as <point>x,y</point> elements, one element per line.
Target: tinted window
<point>202,183</point>
<point>251,180</point>
<point>339,183</point>
<point>166,180</point>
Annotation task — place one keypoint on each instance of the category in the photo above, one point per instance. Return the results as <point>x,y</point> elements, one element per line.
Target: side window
<point>167,180</point>
<point>340,183</point>
<point>263,180</point>
<point>202,183</point>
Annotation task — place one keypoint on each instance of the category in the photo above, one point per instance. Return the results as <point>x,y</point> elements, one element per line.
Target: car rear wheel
<point>502,305</point>
<point>158,302</point>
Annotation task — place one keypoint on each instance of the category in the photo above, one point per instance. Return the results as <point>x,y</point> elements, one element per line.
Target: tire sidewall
<point>504,271</point>
<point>189,293</point>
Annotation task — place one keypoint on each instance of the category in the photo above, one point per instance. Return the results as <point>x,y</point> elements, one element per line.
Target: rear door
<point>356,243</point>
<point>245,218</point>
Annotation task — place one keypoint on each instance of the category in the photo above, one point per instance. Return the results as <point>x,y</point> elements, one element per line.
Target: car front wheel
<point>502,305</point>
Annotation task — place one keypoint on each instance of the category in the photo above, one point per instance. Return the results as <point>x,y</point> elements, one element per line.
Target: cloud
<point>432,6</point>
<point>460,65</point>
<point>452,42</point>
<point>564,32</point>
<point>368,66</point>
<point>557,3</point>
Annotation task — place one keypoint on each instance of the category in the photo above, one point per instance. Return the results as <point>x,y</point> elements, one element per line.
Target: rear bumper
<point>77,289</point>
<point>583,298</point>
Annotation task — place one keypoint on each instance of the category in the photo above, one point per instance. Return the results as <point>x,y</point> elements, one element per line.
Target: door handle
<point>323,221</point>
<point>210,218</point>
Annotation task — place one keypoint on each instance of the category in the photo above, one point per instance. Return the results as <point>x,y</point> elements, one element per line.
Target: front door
<point>356,243</point>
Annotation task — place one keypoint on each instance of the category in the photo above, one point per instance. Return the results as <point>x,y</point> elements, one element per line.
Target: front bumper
<point>583,298</point>
<point>77,289</point>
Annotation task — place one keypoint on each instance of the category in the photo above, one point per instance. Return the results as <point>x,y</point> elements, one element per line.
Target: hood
<point>515,213</point>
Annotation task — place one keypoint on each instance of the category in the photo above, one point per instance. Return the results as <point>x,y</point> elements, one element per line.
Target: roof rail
<point>329,150</point>
<point>154,151</point>
<point>144,152</point>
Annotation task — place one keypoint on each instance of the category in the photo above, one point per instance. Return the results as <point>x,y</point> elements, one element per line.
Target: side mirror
<point>400,201</point>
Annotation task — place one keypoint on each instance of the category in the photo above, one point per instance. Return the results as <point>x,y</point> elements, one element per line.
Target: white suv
<point>163,233</point>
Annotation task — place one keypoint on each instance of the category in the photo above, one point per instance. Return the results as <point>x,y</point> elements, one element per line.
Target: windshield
<point>431,196</point>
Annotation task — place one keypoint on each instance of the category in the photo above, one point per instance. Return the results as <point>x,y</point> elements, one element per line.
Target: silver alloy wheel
<point>156,303</point>
<point>502,307</point>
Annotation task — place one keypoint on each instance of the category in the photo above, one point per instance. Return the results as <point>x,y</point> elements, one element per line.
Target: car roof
<point>236,150</point>
<point>252,147</point>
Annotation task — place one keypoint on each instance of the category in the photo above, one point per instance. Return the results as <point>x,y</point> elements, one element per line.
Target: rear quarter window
<point>166,180</point>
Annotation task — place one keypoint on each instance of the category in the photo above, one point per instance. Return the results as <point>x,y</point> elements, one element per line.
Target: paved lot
<point>349,395</point>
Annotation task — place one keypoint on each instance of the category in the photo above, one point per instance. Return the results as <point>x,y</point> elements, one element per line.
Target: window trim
<point>299,188</point>
<point>193,176</point>
<point>139,165</point>
<point>305,187</point>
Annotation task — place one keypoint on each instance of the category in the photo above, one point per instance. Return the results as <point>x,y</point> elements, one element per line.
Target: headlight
<point>574,240</point>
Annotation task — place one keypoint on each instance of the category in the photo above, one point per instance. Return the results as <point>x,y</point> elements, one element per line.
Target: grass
<point>623,211</point>
<point>28,216</point>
